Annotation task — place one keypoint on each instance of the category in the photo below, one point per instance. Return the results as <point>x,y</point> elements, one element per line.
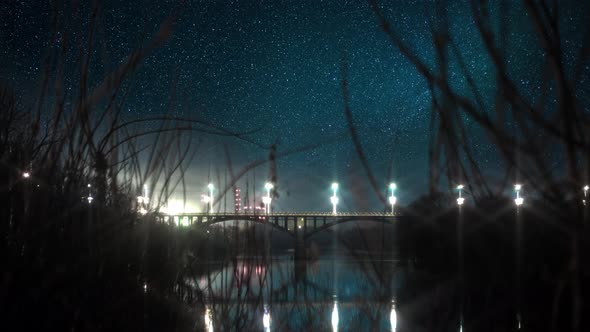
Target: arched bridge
<point>296,224</point>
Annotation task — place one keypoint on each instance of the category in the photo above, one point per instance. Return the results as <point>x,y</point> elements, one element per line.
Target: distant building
<point>254,209</point>
<point>238,200</point>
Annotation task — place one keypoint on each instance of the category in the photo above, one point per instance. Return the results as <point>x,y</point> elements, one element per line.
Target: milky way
<point>275,66</point>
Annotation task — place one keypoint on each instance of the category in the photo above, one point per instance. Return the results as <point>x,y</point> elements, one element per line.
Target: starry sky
<point>274,66</point>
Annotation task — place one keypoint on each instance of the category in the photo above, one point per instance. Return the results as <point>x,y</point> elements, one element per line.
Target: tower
<point>237,200</point>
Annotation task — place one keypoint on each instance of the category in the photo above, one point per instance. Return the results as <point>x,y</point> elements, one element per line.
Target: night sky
<point>275,66</point>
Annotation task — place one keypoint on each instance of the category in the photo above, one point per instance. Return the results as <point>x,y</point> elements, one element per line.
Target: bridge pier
<point>300,259</point>
<point>300,249</point>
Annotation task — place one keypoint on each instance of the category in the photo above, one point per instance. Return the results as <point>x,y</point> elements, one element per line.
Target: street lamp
<point>334,198</point>
<point>586,187</point>
<point>89,198</point>
<point>26,175</point>
<point>518,200</point>
<point>392,198</point>
<point>460,199</point>
<point>210,187</point>
<point>142,201</point>
<point>267,200</point>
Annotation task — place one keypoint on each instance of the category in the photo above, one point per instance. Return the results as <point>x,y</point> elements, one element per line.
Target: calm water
<point>281,294</point>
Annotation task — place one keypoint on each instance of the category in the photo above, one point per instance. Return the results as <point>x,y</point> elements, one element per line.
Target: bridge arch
<point>344,220</point>
<point>304,225</point>
<point>256,219</point>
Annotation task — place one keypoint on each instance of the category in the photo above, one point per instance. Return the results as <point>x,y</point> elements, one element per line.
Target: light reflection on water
<point>335,317</point>
<point>300,295</point>
<point>208,320</point>
<point>393,318</point>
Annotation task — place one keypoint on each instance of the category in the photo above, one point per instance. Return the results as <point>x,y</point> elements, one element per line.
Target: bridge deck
<point>295,223</point>
<point>288,214</point>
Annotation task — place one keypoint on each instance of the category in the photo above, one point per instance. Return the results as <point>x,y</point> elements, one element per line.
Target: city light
<point>175,207</point>
<point>392,198</point>
<point>460,199</point>
<point>518,200</point>
<point>586,187</point>
<point>142,201</point>
<point>26,175</point>
<point>89,198</point>
<point>267,200</point>
<point>210,201</point>
<point>334,198</point>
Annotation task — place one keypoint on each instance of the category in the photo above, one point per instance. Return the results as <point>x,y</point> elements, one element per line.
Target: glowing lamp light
<point>392,198</point>
<point>26,175</point>
<point>208,320</point>
<point>90,198</point>
<point>266,319</point>
<point>392,201</point>
<point>334,198</point>
<point>393,318</point>
<point>210,201</point>
<point>335,317</point>
<point>518,200</point>
<point>267,200</point>
<point>460,199</point>
<point>334,201</point>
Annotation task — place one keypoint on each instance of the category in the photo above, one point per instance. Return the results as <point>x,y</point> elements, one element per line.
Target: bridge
<point>298,224</point>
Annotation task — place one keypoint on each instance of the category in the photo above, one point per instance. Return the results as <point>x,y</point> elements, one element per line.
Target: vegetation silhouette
<point>81,256</point>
